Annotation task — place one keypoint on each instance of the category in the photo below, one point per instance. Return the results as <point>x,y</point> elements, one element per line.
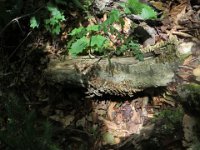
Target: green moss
<point>190,98</point>
<point>168,53</point>
<point>192,88</point>
<point>169,120</point>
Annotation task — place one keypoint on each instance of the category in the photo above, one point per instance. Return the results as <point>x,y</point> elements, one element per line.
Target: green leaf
<point>135,48</point>
<point>122,49</point>
<point>77,31</point>
<point>34,23</point>
<point>79,46</point>
<point>141,9</point>
<point>98,40</point>
<point>148,13</point>
<point>114,16</point>
<point>55,12</point>
<point>56,30</point>
<point>93,28</point>
<point>134,6</point>
<point>53,21</point>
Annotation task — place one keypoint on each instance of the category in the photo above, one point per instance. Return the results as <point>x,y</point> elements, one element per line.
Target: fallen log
<point>122,76</point>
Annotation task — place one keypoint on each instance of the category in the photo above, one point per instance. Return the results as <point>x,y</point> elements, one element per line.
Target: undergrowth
<point>96,39</point>
<point>21,128</point>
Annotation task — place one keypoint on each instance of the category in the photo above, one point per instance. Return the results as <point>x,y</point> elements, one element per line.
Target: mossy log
<point>119,76</point>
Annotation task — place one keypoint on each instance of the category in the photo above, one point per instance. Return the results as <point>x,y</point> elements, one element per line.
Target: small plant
<point>84,38</point>
<point>170,120</point>
<point>140,9</point>
<point>52,24</point>
<point>96,38</point>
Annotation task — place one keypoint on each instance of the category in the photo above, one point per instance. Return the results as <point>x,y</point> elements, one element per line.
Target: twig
<point>17,19</point>
<point>19,45</point>
<point>182,34</point>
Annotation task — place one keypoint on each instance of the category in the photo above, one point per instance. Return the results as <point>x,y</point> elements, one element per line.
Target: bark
<point>123,76</point>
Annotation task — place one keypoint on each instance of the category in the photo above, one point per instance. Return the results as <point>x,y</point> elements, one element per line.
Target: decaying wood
<point>123,76</point>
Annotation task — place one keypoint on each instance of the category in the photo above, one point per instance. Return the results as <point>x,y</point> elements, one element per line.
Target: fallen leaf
<point>196,71</point>
<point>158,5</point>
<point>178,12</point>
<point>108,138</point>
<point>67,120</point>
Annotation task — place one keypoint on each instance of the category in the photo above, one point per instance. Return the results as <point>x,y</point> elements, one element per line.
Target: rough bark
<point>123,76</point>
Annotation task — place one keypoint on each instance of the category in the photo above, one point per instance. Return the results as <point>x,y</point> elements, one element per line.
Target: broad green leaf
<point>122,4</point>
<point>56,30</point>
<point>79,46</point>
<point>141,9</point>
<point>134,6</point>
<point>127,10</point>
<point>98,40</point>
<point>53,21</point>
<point>93,28</point>
<point>77,31</point>
<point>148,13</point>
<point>104,27</point>
<point>114,16</point>
<point>34,23</point>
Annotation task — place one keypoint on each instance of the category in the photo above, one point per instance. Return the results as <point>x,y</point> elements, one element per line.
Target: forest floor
<point>152,119</point>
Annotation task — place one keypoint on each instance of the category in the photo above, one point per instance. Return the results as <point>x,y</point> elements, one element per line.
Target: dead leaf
<point>196,71</point>
<point>110,125</point>
<point>158,5</point>
<point>178,12</point>
<point>110,110</point>
<point>67,120</point>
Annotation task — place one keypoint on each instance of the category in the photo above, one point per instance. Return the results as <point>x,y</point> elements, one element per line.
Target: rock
<point>185,47</point>
<point>147,35</point>
<point>190,136</point>
<point>101,6</point>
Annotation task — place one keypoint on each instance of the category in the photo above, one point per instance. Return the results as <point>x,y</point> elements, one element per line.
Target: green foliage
<point>171,120</point>
<point>79,46</point>
<point>34,23</point>
<point>96,39</point>
<point>141,9</point>
<point>189,96</point>
<point>99,43</point>
<point>22,131</point>
<point>52,24</point>
<point>134,47</point>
